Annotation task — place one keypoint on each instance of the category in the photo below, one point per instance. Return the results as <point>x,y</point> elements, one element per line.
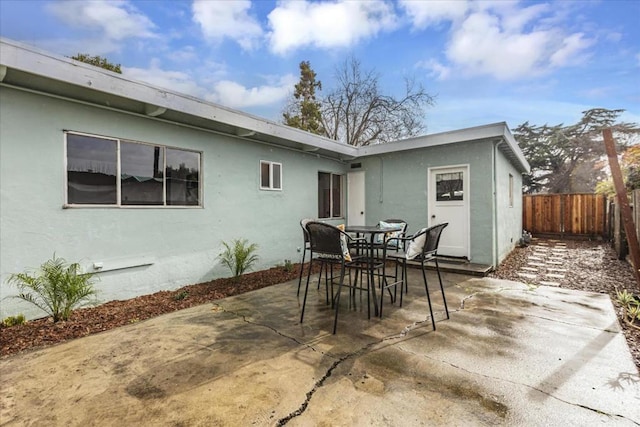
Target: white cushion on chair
<point>344,244</point>
<point>391,235</point>
<point>416,245</point>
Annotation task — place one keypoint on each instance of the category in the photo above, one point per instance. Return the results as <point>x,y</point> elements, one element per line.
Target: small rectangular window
<point>329,195</point>
<point>105,171</point>
<point>270,175</point>
<point>449,186</point>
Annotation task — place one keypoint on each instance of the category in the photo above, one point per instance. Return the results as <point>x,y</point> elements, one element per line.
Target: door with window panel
<point>449,202</point>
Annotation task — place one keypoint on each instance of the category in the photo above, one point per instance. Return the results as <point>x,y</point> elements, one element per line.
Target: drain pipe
<point>496,146</point>
<point>380,198</point>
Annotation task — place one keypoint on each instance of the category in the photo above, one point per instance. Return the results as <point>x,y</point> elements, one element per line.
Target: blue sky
<point>486,61</point>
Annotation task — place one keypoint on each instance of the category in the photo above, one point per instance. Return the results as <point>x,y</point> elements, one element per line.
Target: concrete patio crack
<point>264,325</point>
<point>318,384</point>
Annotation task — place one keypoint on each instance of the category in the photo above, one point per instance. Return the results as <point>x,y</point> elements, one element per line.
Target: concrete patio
<point>509,355</point>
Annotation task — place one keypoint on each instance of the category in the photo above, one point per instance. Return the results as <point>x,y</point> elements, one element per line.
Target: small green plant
<point>181,295</point>
<point>14,320</point>
<point>56,288</point>
<point>630,306</point>
<point>239,256</point>
<point>288,266</point>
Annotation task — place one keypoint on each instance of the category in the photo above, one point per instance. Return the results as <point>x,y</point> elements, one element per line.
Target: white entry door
<point>449,202</point>
<point>355,198</point>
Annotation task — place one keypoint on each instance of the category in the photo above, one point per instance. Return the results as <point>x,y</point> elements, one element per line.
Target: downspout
<point>380,198</point>
<point>495,202</point>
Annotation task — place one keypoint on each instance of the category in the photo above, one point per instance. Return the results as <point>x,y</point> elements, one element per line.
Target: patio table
<point>372,231</point>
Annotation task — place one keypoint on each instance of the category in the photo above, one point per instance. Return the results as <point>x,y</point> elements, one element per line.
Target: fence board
<point>576,214</point>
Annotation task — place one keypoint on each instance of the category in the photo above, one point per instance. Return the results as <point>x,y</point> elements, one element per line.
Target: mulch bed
<point>85,321</point>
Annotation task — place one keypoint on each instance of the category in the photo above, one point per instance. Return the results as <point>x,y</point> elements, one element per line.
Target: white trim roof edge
<point>483,132</point>
<point>15,55</point>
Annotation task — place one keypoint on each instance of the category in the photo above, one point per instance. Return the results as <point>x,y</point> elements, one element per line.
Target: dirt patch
<point>590,266</point>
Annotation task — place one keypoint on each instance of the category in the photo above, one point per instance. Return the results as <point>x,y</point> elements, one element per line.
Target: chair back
<point>324,239</point>
<point>303,224</point>
<point>433,240</point>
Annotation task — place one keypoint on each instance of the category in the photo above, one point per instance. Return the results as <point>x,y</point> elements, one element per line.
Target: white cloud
<point>235,95</point>
<point>502,39</point>
<point>175,81</point>
<point>227,19</point>
<point>481,46</point>
<point>115,20</point>
<point>569,52</point>
<point>436,69</point>
<point>425,13</point>
<point>332,24</point>
<point>224,92</point>
<point>508,44</point>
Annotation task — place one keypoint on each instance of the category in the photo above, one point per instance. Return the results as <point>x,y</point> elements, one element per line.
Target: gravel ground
<point>590,266</point>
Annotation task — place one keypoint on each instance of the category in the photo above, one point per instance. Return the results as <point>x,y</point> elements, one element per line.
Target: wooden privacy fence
<point>565,214</point>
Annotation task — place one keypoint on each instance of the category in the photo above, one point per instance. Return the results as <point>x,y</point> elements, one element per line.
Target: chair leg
<point>306,288</point>
<point>446,309</point>
<point>337,299</point>
<point>304,252</point>
<point>426,288</point>
<point>404,280</point>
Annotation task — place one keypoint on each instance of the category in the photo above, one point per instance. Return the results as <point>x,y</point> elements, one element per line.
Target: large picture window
<point>329,195</point>
<point>106,171</point>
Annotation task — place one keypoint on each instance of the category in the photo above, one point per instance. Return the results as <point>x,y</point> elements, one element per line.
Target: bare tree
<point>357,113</point>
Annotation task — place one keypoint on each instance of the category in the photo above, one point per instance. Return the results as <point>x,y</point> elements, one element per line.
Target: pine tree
<point>303,111</point>
<point>97,61</point>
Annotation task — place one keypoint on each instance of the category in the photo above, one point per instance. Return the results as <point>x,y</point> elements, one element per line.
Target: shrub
<point>14,320</point>
<point>57,288</point>
<point>630,306</point>
<point>288,266</point>
<point>239,256</point>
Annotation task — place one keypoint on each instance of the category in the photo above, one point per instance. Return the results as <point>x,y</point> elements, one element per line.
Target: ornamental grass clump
<point>56,288</point>
<point>239,256</point>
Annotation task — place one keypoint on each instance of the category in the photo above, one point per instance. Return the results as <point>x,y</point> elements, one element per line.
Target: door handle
<point>433,217</point>
<point>361,212</point>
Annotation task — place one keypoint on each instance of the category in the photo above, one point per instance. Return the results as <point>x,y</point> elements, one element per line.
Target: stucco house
<point>142,185</point>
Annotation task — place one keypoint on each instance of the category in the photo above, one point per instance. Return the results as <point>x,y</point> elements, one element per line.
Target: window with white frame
<point>270,175</point>
<point>329,195</point>
<point>111,171</point>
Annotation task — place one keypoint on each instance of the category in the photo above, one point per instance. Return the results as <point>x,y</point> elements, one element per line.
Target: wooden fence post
<point>623,200</point>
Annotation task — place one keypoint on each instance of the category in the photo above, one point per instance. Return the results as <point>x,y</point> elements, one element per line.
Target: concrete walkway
<point>509,355</point>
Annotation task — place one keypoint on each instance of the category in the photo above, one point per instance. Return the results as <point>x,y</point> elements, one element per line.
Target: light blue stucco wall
<point>397,186</point>
<point>179,244</point>
<point>508,216</point>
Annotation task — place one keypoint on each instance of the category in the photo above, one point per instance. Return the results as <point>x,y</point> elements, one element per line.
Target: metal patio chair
<point>422,247</point>
<point>330,245</point>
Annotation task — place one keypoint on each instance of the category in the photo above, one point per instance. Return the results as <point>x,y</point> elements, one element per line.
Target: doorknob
<point>433,217</point>
<point>361,212</point>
